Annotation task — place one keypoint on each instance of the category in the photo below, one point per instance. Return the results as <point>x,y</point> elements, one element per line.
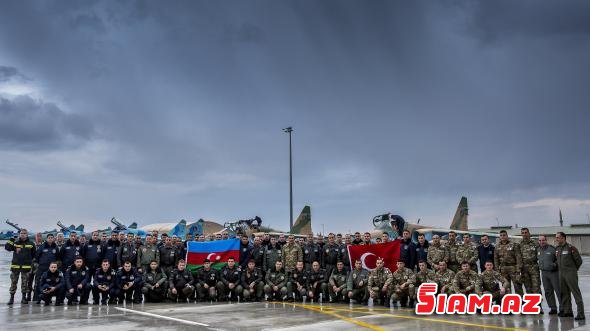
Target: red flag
<point>368,254</point>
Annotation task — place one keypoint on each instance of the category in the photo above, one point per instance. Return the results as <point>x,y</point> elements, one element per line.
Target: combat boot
<point>24,299</point>
<point>11,300</point>
<point>580,317</point>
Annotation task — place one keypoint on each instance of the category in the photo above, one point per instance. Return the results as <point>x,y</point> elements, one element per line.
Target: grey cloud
<point>7,73</point>
<point>29,124</point>
<point>246,32</point>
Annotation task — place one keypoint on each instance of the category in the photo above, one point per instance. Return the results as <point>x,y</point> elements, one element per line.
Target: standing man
<point>272,254</point>
<point>245,252</point>
<point>422,250</point>
<point>22,263</point>
<point>291,254</point>
<point>46,253</point>
<point>127,251</point>
<point>70,251</point>
<point>508,260</point>
<point>147,253</point>
<point>548,265</point>
<point>568,263</point>
<point>485,252</point>
<point>530,266</point>
<point>92,253</point>
<point>407,250</point>
<point>110,249</point>
<point>467,252</point>
<point>331,254</point>
<point>437,252</point>
<point>168,256</point>
<point>453,246</point>
<point>311,252</point>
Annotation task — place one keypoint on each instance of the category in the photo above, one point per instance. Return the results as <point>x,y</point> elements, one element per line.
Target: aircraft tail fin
<point>196,229</point>
<point>179,230</point>
<point>460,219</point>
<point>132,226</point>
<point>80,228</point>
<point>303,223</point>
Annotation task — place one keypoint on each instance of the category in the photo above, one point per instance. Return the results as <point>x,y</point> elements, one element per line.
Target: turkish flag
<point>368,254</point>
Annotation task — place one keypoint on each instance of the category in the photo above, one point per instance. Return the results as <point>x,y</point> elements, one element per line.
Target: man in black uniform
<point>92,253</point>
<point>317,282</point>
<point>77,282</point>
<point>331,254</point>
<point>46,253</point>
<point>229,281</point>
<point>128,284</point>
<point>52,285</point>
<point>181,283</point>
<point>155,283</point>
<point>168,256</point>
<point>311,252</point>
<point>71,251</point>
<point>252,282</point>
<point>297,285</point>
<point>110,250</point>
<point>207,280</point>
<point>103,283</point>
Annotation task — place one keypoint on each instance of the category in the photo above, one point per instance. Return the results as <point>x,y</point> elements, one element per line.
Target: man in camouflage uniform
<point>437,252</point>
<point>531,277</point>
<point>337,283</point>
<point>453,245</point>
<point>403,285</point>
<point>291,254</point>
<point>356,284</point>
<point>468,252</point>
<point>379,283</point>
<point>494,283</point>
<point>467,281</point>
<point>276,283</point>
<point>425,275</point>
<point>508,261</point>
<point>568,264</point>
<point>445,278</point>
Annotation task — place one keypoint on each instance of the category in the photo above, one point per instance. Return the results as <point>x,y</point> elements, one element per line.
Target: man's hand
<point>156,286</point>
<point>174,290</point>
<point>275,288</point>
<point>71,290</point>
<point>231,285</point>
<point>79,286</point>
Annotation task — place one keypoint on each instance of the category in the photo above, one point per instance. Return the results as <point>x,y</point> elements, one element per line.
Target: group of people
<point>126,268</point>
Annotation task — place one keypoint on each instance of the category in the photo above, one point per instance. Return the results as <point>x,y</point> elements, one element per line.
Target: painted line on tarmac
<point>161,317</point>
<point>330,313</point>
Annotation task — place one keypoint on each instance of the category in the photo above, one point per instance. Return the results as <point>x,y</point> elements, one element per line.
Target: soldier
<point>272,254</point>
<point>22,262</point>
<point>384,237</point>
<point>229,286</point>
<point>453,245</point>
<point>168,256</point>
<point>181,283</point>
<point>422,249</point>
<point>311,252</point>
<point>330,254</point>
<point>92,253</point>
<point>77,282</point>
<point>276,283</point>
<point>154,283</point>
<point>356,284</point>
<point>282,240</point>
<point>52,285</point>
<point>493,282</point>
<point>337,283</point>
<point>366,239</point>
<point>344,252</point>
<point>467,281</point>
<point>258,252</point>
<point>252,284</point>
<point>103,283</point>
<point>207,280</point>
<point>467,252</point>
<point>485,252</point>
<point>444,278</point>
<point>297,284</point>
<point>379,283</point>
<point>407,250</point>
<point>111,248</point>
<point>548,265</point>
<point>291,254</point>
<point>568,264</point>
<point>317,282</point>
<point>508,260</point>
<point>45,254</point>
<point>71,250</point>
<point>245,252</point>
<point>127,251</point>
<point>403,285</point>
<point>357,239</point>
<point>147,253</point>
<point>437,252</point>
<point>530,266</point>
<point>425,275</point>
<point>127,284</point>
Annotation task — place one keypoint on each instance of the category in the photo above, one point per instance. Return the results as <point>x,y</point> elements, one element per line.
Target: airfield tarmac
<point>261,316</point>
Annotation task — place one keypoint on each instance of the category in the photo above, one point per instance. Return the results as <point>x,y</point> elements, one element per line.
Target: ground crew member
<point>331,254</point>
<point>453,245</point>
<point>229,286</point>
<point>568,264</point>
<point>92,253</point>
<point>154,284</point>
<point>276,283</point>
<point>356,284</point>
<point>252,284</point>
<point>485,252</point>
<point>127,251</point>
<point>531,278</point>
<point>311,252</point>
<point>52,285</point>
<point>70,252</point>
<point>317,282</point>
<point>493,282</point>
<point>408,250</point>
<point>127,284</point>
<point>337,283</point>
<point>437,252</point>
<point>45,254</point>
<point>111,248</point>
<point>291,254</point>
<point>272,254</point>
<point>168,256</point>
<point>103,284</point>
<point>181,283</point>
<point>402,285</point>
<point>549,274</point>
<point>207,280</point>
<point>22,262</point>
<point>379,283</point>
<point>467,281</point>
<point>508,260</point>
<point>444,278</point>
<point>245,252</point>
<point>147,253</point>
<point>77,282</point>
<point>467,252</point>
<point>422,249</point>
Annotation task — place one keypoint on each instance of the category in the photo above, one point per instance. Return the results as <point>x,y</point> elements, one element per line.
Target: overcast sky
<point>154,111</point>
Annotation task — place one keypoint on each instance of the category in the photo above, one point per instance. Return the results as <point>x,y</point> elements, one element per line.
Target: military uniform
<point>297,278</point>
<point>254,278</point>
<point>168,258</point>
<point>70,252</point>
<point>437,253</point>
<point>492,282</point>
<point>428,276</point>
<point>338,279</point>
<point>357,285</point>
<point>530,278</point>
<point>468,253</point>
<point>453,263</point>
<point>291,254</point>
<point>146,254</point>
<point>508,260</point>
<point>210,278</point>
<point>22,263</point>
<point>406,278</point>
<point>257,253</point>
<point>378,279</point>
<point>149,289</point>
<point>467,282</point>
<point>568,264</point>
<point>127,252</point>
<point>331,255</point>
<point>110,250</point>
<point>73,278</point>
<point>445,281</point>
<point>106,278</point>
<point>408,253</point>
<point>56,280</point>
<point>183,282</point>
<point>133,293</point>
<point>278,279</point>
<point>549,274</point>
<point>229,276</point>
<point>318,283</point>
<point>485,253</point>
<point>92,253</point>
<point>311,252</point>
<point>272,254</point>
<point>45,254</point>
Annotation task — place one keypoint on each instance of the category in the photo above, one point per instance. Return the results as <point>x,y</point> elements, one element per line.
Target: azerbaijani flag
<point>217,252</point>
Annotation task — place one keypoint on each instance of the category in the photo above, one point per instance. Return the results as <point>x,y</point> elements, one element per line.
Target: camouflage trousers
<point>403,294</point>
<point>531,279</point>
<point>496,295</point>
<point>25,275</point>
<point>511,274</point>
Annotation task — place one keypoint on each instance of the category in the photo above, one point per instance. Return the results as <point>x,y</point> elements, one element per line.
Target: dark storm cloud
<point>29,124</point>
